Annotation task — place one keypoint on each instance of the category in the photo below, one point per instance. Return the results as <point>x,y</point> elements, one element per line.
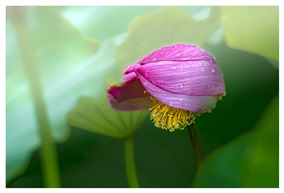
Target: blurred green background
<point>60,61</point>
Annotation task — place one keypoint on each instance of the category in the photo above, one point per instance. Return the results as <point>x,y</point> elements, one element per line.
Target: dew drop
<point>202,69</point>
<point>174,67</point>
<point>154,59</point>
<point>178,55</point>
<point>213,70</point>
<point>146,74</point>
<point>211,61</point>
<point>181,86</point>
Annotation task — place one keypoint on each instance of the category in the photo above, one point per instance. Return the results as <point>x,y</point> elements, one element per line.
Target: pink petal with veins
<point>129,96</point>
<point>194,78</point>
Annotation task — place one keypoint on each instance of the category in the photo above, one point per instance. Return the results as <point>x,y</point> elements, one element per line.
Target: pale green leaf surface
<point>168,26</point>
<point>70,66</point>
<point>104,22</point>
<point>87,19</point>
<point>21,127</point>
<point>21,138</point>
<point>97,116</point>
<point>253,158</point>
<point>198,12</point>
<point>252,29</point>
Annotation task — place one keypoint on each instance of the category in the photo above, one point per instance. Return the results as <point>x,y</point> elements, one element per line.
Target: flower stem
<point>48,154</point>
<point>130,163</point>
<point>196,146</point>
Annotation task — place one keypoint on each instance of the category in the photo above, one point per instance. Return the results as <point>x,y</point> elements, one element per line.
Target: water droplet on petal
<point>211,61</point>
<point>181,86</point>
<point>146,74</point>
<point>202,69</point>
<point>174,67</point>
<point>213,70</point>
<point>154,59</point>
<point>178,55</point>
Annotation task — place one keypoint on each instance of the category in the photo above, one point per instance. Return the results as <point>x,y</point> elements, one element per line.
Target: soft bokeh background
<point>60,60</point>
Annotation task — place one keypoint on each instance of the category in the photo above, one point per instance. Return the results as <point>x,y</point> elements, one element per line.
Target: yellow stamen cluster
<point>170,118</point>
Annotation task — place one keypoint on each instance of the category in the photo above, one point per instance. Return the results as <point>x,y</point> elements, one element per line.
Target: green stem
<point>48,154</point>
<point>130,163</point>
<point>196,146</point>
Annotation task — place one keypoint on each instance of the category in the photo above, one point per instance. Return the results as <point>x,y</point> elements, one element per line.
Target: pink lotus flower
<point>176,83</point>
